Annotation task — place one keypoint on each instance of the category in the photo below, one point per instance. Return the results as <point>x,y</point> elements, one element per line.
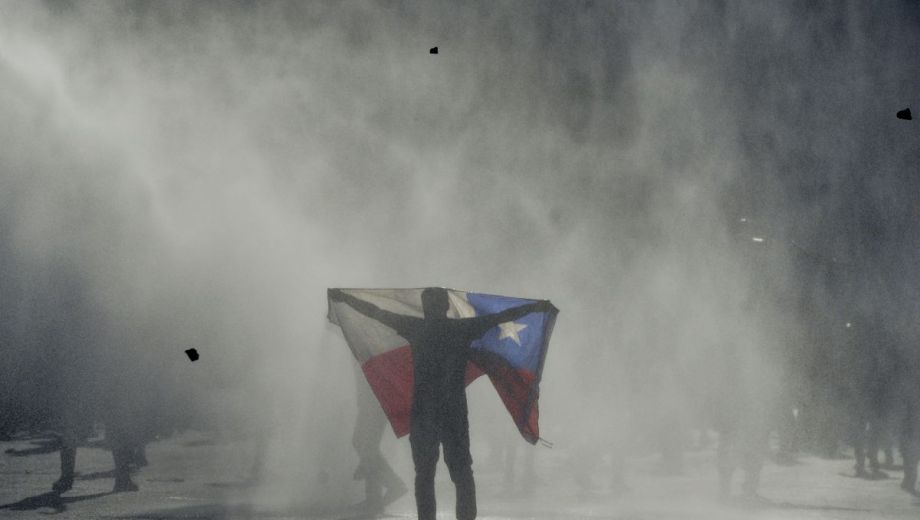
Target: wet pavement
<point>183,481</point>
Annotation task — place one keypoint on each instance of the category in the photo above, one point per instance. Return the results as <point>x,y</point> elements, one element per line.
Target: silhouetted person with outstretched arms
<point>440,351</point>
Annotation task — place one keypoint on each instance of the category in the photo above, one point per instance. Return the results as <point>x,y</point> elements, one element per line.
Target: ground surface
<point>182,482</point>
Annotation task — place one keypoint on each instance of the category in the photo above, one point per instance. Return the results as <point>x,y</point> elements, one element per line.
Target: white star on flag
<point>510,329</point>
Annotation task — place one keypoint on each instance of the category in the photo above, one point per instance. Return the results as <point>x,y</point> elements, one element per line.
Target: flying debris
<point>192,354</point>
<point>511,354</point>
<point>433,50</point>
<point>904,114</point>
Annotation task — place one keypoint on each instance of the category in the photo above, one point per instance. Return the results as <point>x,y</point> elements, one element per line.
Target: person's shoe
<point>878,475</point>
<point>63,484</point>
<point>394,493</point>
<point>123,485</point>
<point>370,506</point>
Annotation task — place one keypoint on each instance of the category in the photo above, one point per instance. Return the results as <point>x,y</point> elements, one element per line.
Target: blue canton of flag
<point>520,342</point>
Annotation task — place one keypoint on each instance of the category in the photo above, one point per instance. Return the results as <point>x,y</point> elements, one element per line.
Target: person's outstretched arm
<point>390,319</point>
<point>493,320</point>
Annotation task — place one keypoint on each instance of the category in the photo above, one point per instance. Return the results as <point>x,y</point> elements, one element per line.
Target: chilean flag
<point>511,354</point>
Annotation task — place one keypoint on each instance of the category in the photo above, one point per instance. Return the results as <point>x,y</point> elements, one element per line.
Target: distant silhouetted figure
<point>119,407</point>
<point>874,369</point>
<point>440,352</point>
<point>373,468</point>
<point>127,454</point>
<point>742,420</point>
<point>75,427</point>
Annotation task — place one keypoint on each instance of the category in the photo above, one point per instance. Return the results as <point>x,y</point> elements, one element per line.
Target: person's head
<point>434,302</point>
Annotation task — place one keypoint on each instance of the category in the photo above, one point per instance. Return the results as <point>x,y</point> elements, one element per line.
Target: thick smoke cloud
<point>195,174</point>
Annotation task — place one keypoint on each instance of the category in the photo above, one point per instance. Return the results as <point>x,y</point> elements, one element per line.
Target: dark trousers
<point>864,436</point>
<point>426,435</point>
<point>122,455</point>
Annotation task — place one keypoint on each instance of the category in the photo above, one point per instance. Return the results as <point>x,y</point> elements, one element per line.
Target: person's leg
<point>122,442</point>
<point>872,447</point>
<point>76,428</point>
<point>423,440</point>
<point>381,475</point>
<point>395,487</point>
<point>68,463</point>
<point>886,441</point>
<point>752,459</point>
<point>857,435</point>
<point>455,436</point>
<point>373,490</point>
<point>747,444</point>
<point>122,455</point>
